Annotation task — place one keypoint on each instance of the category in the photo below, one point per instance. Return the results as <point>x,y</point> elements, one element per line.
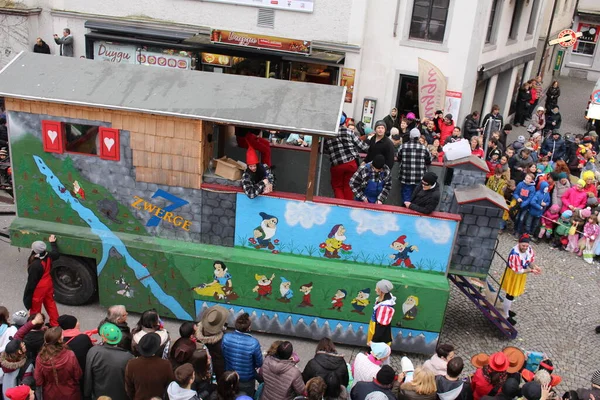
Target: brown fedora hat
<point>213,319</point>
<point>480,360</point>
<point>516,359</point>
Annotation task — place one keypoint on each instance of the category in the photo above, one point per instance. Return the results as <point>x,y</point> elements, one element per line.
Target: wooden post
<point>312,168</point>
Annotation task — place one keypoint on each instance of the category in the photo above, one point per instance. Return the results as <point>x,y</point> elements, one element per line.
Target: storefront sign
<point>432,89</point>
<point>559,60</point>
<point>114,52</point>
<point>163,60</point>
<point>290,5</point>
<point>219,60</point>
<point>452,105</point>
<point>260,41</point>
<point>348,75</point>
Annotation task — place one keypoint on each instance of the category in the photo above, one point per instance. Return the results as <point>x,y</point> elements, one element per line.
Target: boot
<point>506,308</point>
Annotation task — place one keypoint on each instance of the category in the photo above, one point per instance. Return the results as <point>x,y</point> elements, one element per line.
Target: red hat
<point>400,239</point>
<point>251,157</point>
<point>499,362</point>
<point>18,392</point>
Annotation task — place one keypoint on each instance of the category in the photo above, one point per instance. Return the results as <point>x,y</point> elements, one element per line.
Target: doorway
<point>408,95</point>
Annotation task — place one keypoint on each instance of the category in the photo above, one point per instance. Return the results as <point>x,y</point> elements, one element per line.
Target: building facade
<point>583,59</point>
<point>484,49</point>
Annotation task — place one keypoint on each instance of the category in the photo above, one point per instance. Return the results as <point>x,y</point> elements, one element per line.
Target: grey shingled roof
<point>241,100</point>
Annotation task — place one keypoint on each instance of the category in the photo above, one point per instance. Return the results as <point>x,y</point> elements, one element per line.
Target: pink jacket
<point>591,231</point>
<point>549,219</point>
<point>574,197</point>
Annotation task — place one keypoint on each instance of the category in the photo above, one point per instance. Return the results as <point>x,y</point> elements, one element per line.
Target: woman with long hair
<point>228,387</point>
<point>490,375</point>
<point>150,323</point>
<point>476,149</point>
<point>202,364</point>
<point>40,289</point>
<point>422,387</point>
<point>57,371</point>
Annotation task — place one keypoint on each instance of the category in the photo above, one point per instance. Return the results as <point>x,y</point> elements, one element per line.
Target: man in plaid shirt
<point>343,156</point>
<point>414,159</point>
<point>257,178</point>
<point>372,182</point>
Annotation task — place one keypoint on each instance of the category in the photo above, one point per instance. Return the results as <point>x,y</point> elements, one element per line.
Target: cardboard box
<point>229,168</point>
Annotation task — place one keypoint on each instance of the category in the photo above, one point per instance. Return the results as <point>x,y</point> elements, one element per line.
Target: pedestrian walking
<point>65,42</point>
<point>40,289</point>
<point>552,95</point>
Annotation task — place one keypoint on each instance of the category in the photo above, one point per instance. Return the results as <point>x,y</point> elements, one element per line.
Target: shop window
<point>586,44</point>
<point>61,137</point>
<point>428,21</point>
<point>490,36</point>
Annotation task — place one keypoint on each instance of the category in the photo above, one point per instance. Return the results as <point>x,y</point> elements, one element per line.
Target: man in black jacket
<point>77,341</point>
<point>381,384</point>
<point>41,47</point>
<point>426,196</point>
<point>471,127</point>
<point>381,144</point>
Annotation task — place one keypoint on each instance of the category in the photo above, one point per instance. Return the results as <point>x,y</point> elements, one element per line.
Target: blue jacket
<point>541,196</point>
<point>557,148</point>
<point>524,192</point>
<point>242,354</point>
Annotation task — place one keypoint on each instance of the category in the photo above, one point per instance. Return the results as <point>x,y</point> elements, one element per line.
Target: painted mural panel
<point>341,233</point>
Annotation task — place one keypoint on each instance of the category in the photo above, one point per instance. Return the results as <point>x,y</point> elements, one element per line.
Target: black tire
<point>75,282</point>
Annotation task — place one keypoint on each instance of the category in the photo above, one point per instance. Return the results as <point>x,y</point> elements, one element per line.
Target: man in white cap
<point>413,158</point>
<point>40,289</point>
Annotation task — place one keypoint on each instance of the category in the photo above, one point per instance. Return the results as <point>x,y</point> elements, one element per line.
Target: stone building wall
<point>218,214</point>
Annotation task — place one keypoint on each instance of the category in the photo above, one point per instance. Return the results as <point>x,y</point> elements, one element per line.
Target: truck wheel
<point>75,282</point>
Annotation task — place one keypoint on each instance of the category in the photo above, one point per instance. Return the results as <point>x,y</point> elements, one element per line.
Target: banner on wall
<point>289,5</point>
<point>432,89</point>
<point>452,105</point>
<point>348,75</point>
<point>273,43</point>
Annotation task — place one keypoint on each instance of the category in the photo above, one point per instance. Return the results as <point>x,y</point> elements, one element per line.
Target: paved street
<point>557,314</point>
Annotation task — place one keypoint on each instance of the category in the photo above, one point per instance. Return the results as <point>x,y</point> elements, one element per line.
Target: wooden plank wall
<point>166,150</point>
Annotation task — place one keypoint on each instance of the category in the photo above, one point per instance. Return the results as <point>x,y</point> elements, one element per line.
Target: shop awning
<point>138,29</point>
<point>241,100</point>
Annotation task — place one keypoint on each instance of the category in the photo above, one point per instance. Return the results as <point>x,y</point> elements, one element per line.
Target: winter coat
<point>524,192</point>
<point>242,354</point>
<point>523,98</point>
<point>147,377</point>
<point>283,381</point>
<point>406,393</point>
<point>105,372</point>
<point>445,132</point>
<point>324,364</point>
<point>176,392</point>
<point>552,95</point>
<point>214,346</point>
<point>385,147</point>
<point>80,343</point>
<point>425,201</point>
<point>436,365</point>
<point>125,330</point>
<point>35,273</point>
<point>480,385</point>
<point>470,127</point>
<point>59,377</point>
<point>41,48</point>
<point>574,197</point>
<point>451,390</point>
<point>556,147</point>
<point>19,372</point>
<point>391,122</point>
<point>553,121</point>
<point>559,191</point>
<point>365,368</point>
<point>536,208</point>
<point>361,390</point>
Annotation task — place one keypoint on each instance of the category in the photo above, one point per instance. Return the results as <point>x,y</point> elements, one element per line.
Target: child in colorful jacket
<point>591,231</point>
<point>549,221</point>
<point>562,229</point>
<point>537,206</point>
<point>577,223</point>
<point>523,194</point>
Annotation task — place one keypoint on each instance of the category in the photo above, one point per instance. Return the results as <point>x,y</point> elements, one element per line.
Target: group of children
<point>548,206</point>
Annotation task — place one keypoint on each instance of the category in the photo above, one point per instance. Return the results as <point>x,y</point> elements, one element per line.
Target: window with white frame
<point>535,8</point>
<point>586,44</point>
<point>428,20</point>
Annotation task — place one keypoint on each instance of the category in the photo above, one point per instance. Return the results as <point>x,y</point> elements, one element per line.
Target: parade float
<point>118,161</point>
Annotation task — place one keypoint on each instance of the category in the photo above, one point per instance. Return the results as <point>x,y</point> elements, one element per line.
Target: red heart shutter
<point>53,136</point>
<point>109,144</point>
